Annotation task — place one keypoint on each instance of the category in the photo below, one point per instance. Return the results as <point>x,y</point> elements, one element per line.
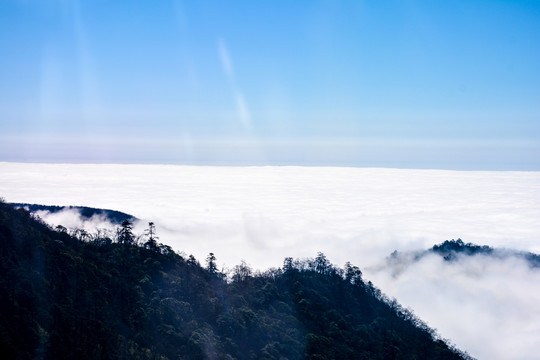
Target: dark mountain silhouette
<point>64,298</point>
<point>453,250</point>
<point>115,217</point>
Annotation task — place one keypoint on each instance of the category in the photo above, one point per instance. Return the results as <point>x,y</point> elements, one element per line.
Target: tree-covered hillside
<point>63,298</point>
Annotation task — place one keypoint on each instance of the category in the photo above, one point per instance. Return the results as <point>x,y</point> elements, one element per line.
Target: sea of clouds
<point>487,306</point>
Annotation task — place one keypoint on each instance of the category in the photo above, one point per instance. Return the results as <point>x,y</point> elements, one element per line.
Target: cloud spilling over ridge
<point>262,214</point>
<point>487,303</point>
<point>265,213</point>
<point>453,251</point>
<point>73,220</point>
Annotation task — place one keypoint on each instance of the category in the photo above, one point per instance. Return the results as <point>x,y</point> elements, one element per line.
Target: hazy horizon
<point>379,84</point>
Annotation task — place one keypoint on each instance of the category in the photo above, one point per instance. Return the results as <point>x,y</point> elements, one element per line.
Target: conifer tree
<point>125,233</point>
<point>211,263</point>
<point>151,243</point>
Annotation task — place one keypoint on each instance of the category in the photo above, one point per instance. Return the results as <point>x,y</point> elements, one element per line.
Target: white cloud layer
<point>489,306</point>
<point>72,220</point>
<point>262,214</point>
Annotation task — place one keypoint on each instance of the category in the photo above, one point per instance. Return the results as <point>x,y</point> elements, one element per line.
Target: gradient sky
<point>441,84</point>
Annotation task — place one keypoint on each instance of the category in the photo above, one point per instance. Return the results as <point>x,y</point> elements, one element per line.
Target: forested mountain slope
<point>64,298</point>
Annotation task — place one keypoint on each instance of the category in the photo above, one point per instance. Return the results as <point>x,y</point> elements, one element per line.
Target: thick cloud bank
<point>488,304</point>
<point>262,214</point>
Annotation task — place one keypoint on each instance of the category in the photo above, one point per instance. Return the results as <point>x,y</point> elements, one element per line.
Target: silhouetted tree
<point>125,233</point>
<point>322,265</point>
<point>352,273</point>
<point>102,237</point>
<point>61,229</point>
<point>211,263</point>
<point>151,243</point>
<point>81,234</point>
<point>192,260</point>
<point>241,272</point>
<point>288,264</point>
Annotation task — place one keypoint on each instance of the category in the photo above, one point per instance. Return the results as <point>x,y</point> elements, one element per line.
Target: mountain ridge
<point>104,299</point>
<point>113,216</point>
<point>452,251</point>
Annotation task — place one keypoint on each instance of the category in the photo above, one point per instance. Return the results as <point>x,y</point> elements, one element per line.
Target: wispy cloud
<point>72,220</point>
<point>225,59</point>
<point>473,300</point>
<point>242,109</point>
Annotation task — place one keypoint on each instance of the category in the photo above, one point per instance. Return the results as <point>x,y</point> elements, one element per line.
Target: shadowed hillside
<point>111,299</point>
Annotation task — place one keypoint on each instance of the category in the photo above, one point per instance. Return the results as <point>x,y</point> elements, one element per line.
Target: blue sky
<point>441,84</point>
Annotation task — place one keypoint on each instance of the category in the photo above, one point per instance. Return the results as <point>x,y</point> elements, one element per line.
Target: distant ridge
<point>115,217</point>
<point>453,250</point>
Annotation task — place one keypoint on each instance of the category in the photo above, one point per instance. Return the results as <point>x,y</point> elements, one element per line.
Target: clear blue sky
<point>443,84</point>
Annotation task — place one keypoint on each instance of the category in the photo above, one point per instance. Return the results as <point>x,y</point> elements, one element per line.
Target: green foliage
<point>65,298</point>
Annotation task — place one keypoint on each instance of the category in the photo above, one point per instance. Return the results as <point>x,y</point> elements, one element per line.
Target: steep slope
<point>64,298</point>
